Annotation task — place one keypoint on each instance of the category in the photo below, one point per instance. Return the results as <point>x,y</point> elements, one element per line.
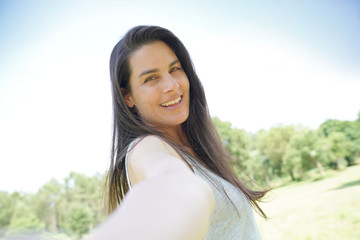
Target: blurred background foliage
<point>272,158</point>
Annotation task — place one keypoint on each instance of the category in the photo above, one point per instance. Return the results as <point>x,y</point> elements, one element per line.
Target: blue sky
<point>262,63</point>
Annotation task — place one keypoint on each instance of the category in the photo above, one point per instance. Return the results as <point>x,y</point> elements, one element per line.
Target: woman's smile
<point>172,103</point>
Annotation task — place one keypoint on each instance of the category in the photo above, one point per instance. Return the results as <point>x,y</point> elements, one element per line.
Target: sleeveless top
<point>226,222</point>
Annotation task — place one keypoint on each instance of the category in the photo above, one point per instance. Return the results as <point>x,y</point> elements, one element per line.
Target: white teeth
<point>171,102</point>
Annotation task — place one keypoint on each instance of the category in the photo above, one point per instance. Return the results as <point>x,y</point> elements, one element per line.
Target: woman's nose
<point>170,83</point>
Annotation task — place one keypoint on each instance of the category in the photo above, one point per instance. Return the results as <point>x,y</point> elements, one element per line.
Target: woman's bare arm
<point>167,201</point>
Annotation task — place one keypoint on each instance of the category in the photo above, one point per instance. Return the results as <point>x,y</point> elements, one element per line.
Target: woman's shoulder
<point>151,144</point>
<point>151,156</point>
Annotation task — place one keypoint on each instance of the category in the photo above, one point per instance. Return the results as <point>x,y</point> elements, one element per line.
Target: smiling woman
<point>159,87</point>
<point>170,176</point>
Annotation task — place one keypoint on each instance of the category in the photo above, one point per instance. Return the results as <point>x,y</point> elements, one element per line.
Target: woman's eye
<point>175,69</point>
<point>149,79</point>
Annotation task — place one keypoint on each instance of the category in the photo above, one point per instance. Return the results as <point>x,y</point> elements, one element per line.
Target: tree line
<point>70,209</point>
<point>65,210</point>
<point>293,151</point>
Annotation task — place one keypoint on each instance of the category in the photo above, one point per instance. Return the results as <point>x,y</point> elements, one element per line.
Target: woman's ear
<point>127,98</point>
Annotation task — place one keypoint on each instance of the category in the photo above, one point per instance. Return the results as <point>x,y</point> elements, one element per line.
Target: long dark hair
<point>127,125</point>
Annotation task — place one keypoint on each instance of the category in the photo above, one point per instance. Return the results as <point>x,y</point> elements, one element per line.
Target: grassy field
<point>324,209</point>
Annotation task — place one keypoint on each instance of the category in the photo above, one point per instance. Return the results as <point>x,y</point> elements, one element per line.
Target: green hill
<point>324,209</point>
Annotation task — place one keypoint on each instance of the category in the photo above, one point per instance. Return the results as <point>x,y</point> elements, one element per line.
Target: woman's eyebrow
<point>174,62</point>
<point>148,71</point>
<point>156,70</point>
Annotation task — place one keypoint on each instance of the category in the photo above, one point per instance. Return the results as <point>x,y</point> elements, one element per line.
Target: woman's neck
<point>177,135</point>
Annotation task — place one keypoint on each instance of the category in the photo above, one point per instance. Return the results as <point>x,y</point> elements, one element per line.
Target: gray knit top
<point>226,223</point>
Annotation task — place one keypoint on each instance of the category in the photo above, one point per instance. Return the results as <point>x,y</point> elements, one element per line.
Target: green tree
<point>273,144</point>
<point>235,142</point>
<point>50,205</point>
<point>80,218</point>
<point>7,207</point>
<point>86,190</point>
<point>23,220</point>
<point>258,167</point>
<point>351,129</point>
<point>341,147</point>
<point>292,162</point>
<point>322,151</point>
<point>302,153</point>
<point>354,137</point>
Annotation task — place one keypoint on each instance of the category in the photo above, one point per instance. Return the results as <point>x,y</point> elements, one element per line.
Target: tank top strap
<point>126,162</point>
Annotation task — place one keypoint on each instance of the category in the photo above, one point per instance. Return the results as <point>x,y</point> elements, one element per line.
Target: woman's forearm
<point>173,206</point>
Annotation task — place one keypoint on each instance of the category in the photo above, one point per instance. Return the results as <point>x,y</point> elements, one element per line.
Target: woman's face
<point>159,86</point>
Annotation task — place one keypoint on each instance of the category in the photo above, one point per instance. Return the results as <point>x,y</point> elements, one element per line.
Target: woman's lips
<point>172,102</point>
